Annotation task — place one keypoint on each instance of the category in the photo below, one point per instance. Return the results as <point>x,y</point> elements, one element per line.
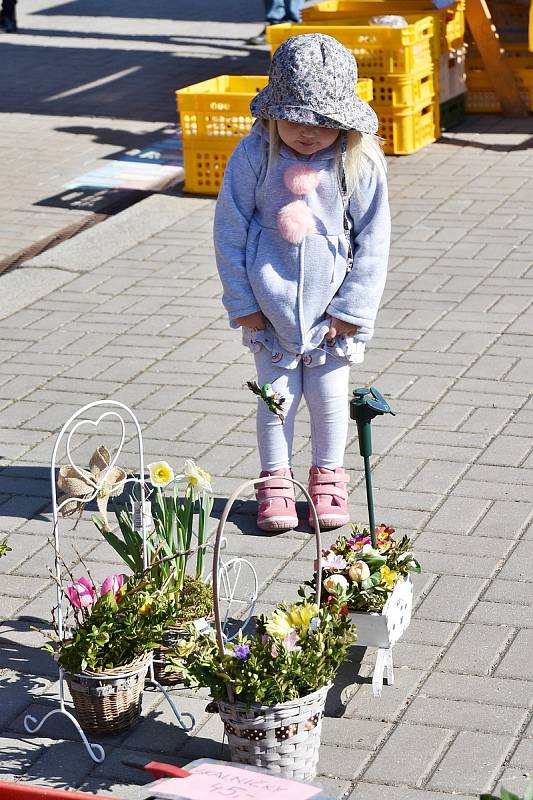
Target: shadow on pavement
<point>123,84</point>
<point>229,11</point>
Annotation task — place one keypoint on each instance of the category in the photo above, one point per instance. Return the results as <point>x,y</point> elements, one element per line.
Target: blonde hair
<point>362,150</point>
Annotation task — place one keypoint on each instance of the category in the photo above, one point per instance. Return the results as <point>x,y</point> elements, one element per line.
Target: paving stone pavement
<point>86,82</point>
<point>137,317</point>
<point>130,310</point>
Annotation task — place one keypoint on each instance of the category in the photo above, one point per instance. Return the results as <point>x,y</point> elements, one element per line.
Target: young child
<point>303,195</point>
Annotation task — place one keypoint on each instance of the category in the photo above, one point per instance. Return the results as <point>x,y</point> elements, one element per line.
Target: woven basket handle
<point>218,539</point>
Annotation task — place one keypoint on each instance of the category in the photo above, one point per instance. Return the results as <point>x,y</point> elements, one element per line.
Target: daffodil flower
<point>198,479</point>
<point>161,473</point>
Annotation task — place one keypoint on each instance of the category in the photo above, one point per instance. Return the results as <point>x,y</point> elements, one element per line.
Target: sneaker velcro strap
<point>267,494</point>
<point>333,491</point>
<point>324,478</point>
<point>275,483</point>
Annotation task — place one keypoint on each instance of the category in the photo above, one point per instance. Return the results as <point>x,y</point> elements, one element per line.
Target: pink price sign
<point>220,781</point>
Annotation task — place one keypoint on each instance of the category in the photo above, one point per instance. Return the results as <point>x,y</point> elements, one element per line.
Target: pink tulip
<point>81,594</point>
<point>112,584</point>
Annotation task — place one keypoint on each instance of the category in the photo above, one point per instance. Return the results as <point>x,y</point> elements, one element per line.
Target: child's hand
<point>338,327</point>
<point>255,321</point>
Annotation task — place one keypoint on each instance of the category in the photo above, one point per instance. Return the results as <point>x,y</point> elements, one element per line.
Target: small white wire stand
<point>229,573</point>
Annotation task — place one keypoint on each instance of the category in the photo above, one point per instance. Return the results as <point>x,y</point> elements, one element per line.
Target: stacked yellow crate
<point>215,116</point>
<point>450,23</point>
<point>400,62</point>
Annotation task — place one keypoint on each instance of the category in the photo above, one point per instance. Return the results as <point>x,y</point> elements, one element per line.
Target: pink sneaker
<point>277,509</point>
<point>327,488</point>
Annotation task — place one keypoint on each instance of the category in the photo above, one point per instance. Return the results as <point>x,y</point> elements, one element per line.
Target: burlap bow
<point>100,481</point>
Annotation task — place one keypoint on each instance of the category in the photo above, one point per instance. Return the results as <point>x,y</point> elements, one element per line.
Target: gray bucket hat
<point>312,81</point>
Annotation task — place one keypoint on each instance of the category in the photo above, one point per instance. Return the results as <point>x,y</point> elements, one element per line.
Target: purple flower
<point>358,541</point>
<point>241,651</point>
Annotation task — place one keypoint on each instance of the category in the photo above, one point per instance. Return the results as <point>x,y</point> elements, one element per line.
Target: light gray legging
<point>325,389</point>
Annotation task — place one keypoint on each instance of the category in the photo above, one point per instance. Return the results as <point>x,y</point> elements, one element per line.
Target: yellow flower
<point>300,615</point>
<point>161,473</point>
<point>279,625</point>
<point>146,607</point>
<point>388,576</point>
<point>198,479</point>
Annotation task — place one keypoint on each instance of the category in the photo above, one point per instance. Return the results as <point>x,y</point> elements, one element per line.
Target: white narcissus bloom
<point>161,473</point>
<point>335,582</point>
<point>198,479</point>
<point>359,571</point>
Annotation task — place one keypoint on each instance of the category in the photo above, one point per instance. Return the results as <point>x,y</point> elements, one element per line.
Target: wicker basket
<point>284,738</point>
<point>109,701</point>
<point>170,639</point>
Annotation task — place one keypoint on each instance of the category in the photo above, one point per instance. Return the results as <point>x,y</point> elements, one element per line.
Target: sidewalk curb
<point>98,244</point>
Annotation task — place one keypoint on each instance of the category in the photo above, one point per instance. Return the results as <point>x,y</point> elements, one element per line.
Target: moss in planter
<point>194,601</point>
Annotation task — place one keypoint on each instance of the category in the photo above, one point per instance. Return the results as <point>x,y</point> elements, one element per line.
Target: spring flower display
<point>362,577</point>
<point>176,522</point>
<point>293,652</point>
<point>111,630</point>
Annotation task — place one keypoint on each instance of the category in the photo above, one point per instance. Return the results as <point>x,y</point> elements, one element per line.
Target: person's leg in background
<point>292,10</point>
<point>8,20</point>
<point>325,389</point>
<point>276,505</point>
<point>275,12</point>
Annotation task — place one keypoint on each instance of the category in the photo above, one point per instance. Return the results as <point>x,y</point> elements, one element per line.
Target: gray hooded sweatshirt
<point>298,285</point>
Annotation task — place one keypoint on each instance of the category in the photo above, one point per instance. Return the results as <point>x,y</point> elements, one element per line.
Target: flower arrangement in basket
<point>4,547</point>
<point>177,527</point>
<point>363,577</point>
<point>270,687</point>
<point>108,648</point>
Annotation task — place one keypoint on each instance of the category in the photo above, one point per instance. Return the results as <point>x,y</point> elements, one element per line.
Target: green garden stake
<point>367,404</point>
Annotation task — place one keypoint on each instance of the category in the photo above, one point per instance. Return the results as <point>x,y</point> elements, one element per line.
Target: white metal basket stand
<point>229,574</point>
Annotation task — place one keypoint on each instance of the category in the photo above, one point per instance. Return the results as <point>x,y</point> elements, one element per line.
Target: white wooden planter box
<point>383,630</point>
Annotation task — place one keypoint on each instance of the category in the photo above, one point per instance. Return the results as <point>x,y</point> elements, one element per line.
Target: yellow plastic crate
<point>450,20</point>
<point>215,116</point>
<point>405,90</point>
<point>481,96</point>
<point>378,50</point>
<point>407,130</point>
<point>204,162</point>
<point>220,107</point>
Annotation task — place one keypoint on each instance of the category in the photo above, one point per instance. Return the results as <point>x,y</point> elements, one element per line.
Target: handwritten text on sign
<point>230,783</point>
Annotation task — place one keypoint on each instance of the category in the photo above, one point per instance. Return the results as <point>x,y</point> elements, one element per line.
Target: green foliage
<point>4,547</point>
<point>505,794</point>
<point>116,630</point>
<point>360,576</point>
<point>295,651</point>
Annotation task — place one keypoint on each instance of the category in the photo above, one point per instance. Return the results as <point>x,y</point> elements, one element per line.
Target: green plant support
<point>365,405</point>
